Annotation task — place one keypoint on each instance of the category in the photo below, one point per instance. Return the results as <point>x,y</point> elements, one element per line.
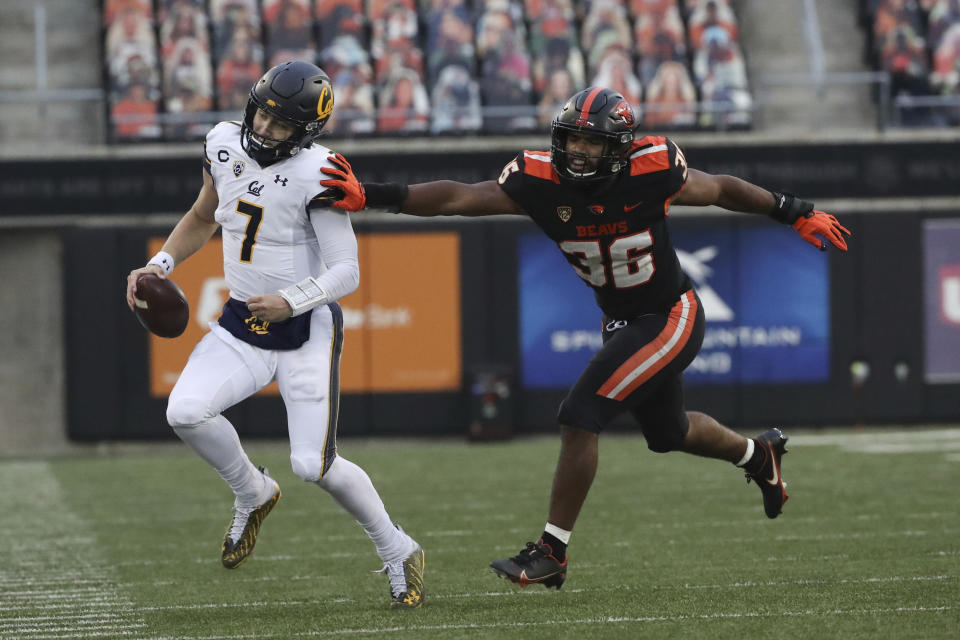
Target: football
<point>161,306</point>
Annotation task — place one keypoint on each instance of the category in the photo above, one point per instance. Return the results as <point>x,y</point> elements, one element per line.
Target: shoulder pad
<point>538,165</point>
<point>648,155</point>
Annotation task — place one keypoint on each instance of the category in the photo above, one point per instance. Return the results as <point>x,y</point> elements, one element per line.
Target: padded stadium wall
<point>32,371</point>
<point>874,296</point>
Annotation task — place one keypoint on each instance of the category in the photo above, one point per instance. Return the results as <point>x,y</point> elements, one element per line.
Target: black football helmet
<point>599,112</point>
<point>298,93</point>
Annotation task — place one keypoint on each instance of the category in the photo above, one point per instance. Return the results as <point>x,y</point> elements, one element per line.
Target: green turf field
<point>669,546</point>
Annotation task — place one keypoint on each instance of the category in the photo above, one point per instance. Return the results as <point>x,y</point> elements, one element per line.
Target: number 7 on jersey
<point>255,212</point>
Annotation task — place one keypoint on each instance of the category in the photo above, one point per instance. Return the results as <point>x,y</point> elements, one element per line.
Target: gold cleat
<point>241,535</point>
<point>406,580</point>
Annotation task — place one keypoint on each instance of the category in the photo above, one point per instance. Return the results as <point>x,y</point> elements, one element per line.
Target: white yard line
<point>855,438</point>
<point>607,621</point>
<point>369,556</point>
<point>935,441</point>
<point>52,545</point>
<point>515,593</point>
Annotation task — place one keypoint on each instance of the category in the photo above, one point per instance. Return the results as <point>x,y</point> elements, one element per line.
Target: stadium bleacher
<point>918,43</point>
<point>130,50</point>
<point>403,67</point>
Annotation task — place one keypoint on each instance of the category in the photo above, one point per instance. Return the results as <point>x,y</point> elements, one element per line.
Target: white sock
<point>351,487</point>
<point>216,441</point>
<point>749,454</point>
<point>560,534</point>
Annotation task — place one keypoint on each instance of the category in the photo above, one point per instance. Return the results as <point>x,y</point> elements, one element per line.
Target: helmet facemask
<point>611,161</point>
<point>266,150</point>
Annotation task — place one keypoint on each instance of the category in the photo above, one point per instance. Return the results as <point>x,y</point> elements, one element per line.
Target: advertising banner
<point>765,296</point>
<point>403,322</point>
<point>941,288</point>
<point>401,326</point>
<point>559,321</point>
<point>201,278</point>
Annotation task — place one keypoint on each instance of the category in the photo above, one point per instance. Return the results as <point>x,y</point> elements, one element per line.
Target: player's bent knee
<point>664,445</point>
<point>187,411</point>
<point>308,466</point>
<point>666,440</point>
<point>577,414</point>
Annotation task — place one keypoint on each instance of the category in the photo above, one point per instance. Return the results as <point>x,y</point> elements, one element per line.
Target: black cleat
<point>534,565</point>
<point>241,535</point>
<point>769,477</point>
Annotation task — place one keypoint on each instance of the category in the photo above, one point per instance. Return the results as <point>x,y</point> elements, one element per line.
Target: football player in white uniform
<point>287,258</point>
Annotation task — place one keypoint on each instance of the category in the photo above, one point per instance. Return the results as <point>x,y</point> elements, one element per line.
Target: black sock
<point>559,549</point>
<point>757,459</point>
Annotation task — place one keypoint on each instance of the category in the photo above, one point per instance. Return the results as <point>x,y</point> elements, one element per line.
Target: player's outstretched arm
<point>735,194</point>
<point>191,233</point>
<point>449,198</point>
<point>439,198</point>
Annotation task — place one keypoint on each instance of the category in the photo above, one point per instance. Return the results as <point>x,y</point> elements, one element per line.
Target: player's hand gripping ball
<point>161,307</point>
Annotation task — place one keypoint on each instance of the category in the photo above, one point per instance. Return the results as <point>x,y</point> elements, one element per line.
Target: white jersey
<point>269,242</point>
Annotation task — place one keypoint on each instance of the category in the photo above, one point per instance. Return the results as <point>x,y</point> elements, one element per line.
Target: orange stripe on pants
<point>656,354</point>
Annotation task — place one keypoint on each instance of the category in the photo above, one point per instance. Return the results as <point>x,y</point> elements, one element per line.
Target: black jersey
<point>616,239</point>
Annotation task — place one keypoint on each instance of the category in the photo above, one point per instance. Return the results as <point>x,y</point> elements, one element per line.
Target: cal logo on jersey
<point>259,328</point>
<point>238,167</point>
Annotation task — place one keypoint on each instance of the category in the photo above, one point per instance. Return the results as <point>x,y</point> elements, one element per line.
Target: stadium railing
<point>891,112</point>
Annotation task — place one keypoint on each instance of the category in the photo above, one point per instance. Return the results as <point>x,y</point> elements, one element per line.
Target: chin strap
<point>582,175</point>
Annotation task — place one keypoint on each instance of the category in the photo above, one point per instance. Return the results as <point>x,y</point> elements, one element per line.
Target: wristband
<point>163,260</point>
<point>303,296</point>
<point>388,195</point>
<point>787,208</point>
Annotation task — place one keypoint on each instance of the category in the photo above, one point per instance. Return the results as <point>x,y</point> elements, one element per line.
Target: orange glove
<point>817,224</point>
<point>344,186</point>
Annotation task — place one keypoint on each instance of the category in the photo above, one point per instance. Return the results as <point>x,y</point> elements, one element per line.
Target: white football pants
<point>222,371</point>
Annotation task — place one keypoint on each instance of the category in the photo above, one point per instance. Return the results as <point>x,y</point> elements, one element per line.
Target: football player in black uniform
<point>602,194</point>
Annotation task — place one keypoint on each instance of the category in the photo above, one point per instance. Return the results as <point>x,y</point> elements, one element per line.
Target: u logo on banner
<point>950,294</point>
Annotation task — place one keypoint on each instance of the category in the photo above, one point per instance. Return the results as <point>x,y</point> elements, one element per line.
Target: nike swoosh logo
<point>775,478</point>
<point>628,209</point>
<point>524,579</point>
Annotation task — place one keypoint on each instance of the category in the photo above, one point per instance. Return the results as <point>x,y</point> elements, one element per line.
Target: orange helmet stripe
<point>585,111</point>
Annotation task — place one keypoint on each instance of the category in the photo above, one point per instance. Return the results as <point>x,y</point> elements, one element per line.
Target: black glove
<point>787,208</point>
